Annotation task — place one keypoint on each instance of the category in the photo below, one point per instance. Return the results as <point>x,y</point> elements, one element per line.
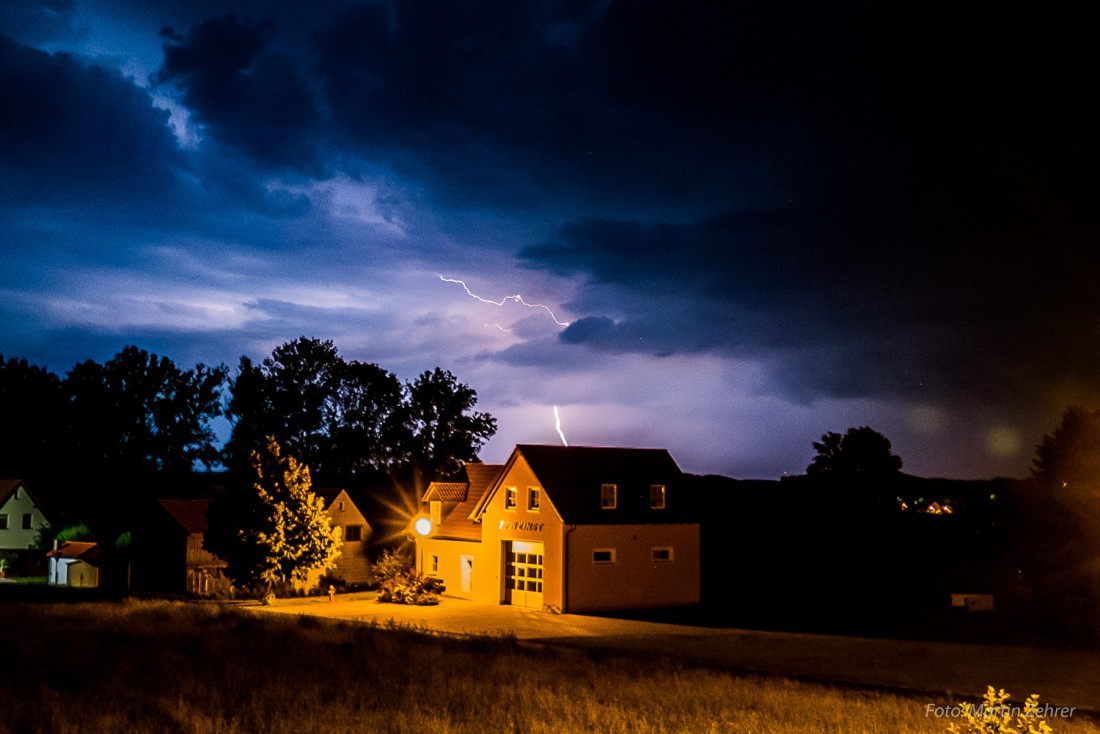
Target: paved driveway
<point>1061,677</point>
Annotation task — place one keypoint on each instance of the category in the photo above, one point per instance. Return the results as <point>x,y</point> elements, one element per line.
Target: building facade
<point>353,565</point>
<point>74,563</point>
<point>570,529</point>
<point>21,515</point>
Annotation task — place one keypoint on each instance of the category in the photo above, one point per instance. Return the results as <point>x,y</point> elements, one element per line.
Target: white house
<point>21,515</point>
<point>74,563</point>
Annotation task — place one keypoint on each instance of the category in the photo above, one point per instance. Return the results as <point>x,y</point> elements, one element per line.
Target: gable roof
<point>446,491</point>
<point>572,475</point>
<point>192,515</point>
<point>8,487</point>
<point>88,552</point>
<point>460,522</point>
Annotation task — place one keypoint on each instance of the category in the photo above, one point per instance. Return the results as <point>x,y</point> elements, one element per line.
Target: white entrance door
<point>523,571</point>
<point>467,572</point>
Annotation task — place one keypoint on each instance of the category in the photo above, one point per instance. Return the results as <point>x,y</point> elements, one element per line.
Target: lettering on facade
<point>534,527</point>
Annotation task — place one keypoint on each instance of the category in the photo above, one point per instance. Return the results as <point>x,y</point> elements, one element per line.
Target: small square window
<point>661,555</point>
<point>657,496</point>
<point>603,555</point>
<point>353,533</point>
<point>510,498</point>
<point>609,496</point>
<point>534,499</point>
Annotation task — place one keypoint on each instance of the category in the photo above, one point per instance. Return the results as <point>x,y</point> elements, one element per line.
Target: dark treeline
<point>857,546</point>
<point>104,439</point>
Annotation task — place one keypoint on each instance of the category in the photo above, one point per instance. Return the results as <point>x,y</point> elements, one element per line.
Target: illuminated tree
<point>274,529</point>
<point>859,453</point>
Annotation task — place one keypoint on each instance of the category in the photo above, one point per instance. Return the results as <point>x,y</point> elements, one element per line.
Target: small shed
<point>74,563</point>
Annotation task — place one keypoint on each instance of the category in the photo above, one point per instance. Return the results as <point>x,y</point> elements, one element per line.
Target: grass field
<point>171,667</point>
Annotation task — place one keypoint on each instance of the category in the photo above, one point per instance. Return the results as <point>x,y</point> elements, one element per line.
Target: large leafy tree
<point>140,413</point>
<point>1057,527</point>
<point>1068,458</point>
<point>349,420</point>
<point>336,416</point>
<point>31,432</point>
<point>272,529</point>
<point>861,453</point>
<point>441,428</point>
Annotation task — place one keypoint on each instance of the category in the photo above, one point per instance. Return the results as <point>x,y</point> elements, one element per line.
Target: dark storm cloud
<point>34,21</point>
<point>540,104</point>
<point>840,305</point>
<point>78,133</point>
<point>243,93</point>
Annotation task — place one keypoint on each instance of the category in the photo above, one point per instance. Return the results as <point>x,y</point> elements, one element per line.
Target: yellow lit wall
<point>634,579</point>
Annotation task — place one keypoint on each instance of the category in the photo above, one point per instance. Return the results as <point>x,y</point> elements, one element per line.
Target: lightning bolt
<point>515,299</point>
<point>557,425</point>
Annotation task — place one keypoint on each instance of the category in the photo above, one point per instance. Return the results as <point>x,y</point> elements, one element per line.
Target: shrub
<point>399,583</point>
<point>995,716</point>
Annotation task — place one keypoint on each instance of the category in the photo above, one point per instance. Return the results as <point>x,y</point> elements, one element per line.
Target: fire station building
<point>571,529</point>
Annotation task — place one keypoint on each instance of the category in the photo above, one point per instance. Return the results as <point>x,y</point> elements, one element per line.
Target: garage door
<point>523,574</point>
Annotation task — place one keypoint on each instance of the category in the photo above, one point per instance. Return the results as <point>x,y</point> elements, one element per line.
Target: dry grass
<point>170,667</point>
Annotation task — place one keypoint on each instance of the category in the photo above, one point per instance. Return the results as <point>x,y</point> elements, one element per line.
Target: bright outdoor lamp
<point>423,526</point>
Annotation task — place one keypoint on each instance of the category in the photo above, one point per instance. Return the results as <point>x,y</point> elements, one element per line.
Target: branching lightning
<point>557,424</point>
<point>515,299</point>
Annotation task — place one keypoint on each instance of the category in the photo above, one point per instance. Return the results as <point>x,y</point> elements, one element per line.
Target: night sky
<point>749,224</point>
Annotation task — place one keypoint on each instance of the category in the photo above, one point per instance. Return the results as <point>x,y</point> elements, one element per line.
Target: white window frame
<point>534,499</point>
<point>602,562</point>
<point>614,492</point>
<point>655,550</point>
<point>435,564</point>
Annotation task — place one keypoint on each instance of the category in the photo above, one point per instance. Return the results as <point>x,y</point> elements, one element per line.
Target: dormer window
<point>657,496</point>
<point>510,498</point>
<point>609,496</point>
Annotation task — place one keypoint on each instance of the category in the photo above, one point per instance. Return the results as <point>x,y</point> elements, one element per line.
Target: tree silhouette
<point>1068,458</point>
<point>336,416</point>
<point>348,419</point>
<point>31,433</point>
<point>859,453</point>
<point>140,413</point>
<point>440,428</point>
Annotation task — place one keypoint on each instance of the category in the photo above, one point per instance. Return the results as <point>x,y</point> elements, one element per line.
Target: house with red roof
<point>168,551</point>
<point>570,529</point>
<point>169,554</point>
<point>74,563</point>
